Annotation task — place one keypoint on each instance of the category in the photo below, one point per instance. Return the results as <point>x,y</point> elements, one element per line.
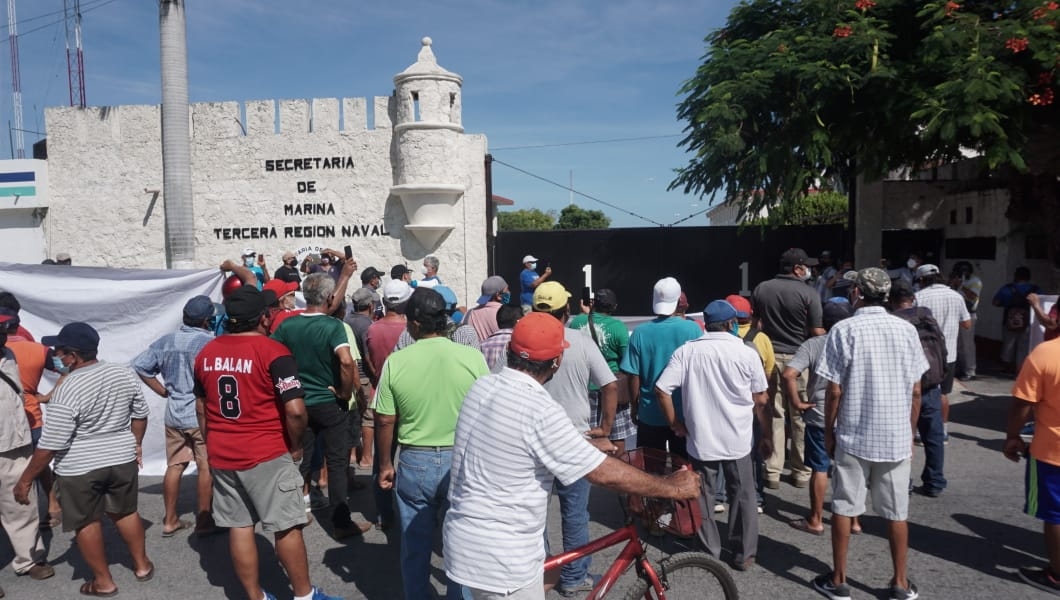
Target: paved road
<point>965,544</point>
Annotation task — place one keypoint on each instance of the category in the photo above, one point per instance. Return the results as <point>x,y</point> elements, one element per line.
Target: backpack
<point>933,343</point>
<point>1018,313</point>
<point>749,338</point>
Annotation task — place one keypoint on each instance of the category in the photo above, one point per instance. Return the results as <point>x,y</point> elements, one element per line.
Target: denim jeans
<point>931,434</point>
<point>574,516</point>
<point>329,422</point>
<point>384,499</point>
<point>422,489</point>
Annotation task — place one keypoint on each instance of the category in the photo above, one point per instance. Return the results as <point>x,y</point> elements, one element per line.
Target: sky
<point>552,73</point>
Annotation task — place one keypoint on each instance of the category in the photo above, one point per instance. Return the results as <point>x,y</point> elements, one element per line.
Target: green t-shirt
<point>314,339</point>
<point>611,335</point>
<point>424,385</point>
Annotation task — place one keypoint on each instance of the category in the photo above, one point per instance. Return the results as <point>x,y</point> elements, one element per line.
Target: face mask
<point>506,297</point>
<point>291,262</point>
<point>249,261</point>
<point>735,329</point>
<point>910,263</point>
<point>59,366</point>
<point>424,271</point>
<point>805,274</point>
<point>533,266</point>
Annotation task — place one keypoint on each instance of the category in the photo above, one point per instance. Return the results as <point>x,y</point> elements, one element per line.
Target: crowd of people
<point>464,414</point>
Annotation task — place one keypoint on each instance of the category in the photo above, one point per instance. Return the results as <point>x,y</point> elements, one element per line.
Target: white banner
<point>1037,331</point>
<point>130,308</point>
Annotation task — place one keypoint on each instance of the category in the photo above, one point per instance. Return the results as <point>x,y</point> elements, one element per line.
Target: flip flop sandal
<point>88,588</point>
<point>181,524</point>
<point>148,576</point>
<point>802,525</point>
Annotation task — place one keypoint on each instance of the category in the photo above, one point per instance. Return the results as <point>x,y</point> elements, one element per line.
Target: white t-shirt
<point>717,374</point>
<point>512,440</point>
<point>949,309</point>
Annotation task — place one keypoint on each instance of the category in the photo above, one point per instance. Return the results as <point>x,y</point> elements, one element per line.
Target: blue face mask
<point>59,366</point>
<point>735,329</point>
<point>506,297</point>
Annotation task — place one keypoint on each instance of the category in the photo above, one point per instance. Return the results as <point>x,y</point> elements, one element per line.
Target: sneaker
<point>1027,432</point>
<point>924,490</point>
<point>898,593</point>
<point>1041,579</point>
<point>830,590</point>
<point>317,499</point>
<point>586,585</point>
<point>760,509</point>
<point>719,507</point>
<point>946,438</point>
<point>318,594</point>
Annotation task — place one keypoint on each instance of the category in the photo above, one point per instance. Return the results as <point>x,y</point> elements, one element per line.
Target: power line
<point>47,25</point>
<point>48,14</point>
<point>610,141</point>
<point>567,187</point>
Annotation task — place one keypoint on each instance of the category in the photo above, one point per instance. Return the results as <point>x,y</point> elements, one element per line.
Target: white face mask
<point>424,271</point>
<point>805,273</point>
<point>533,265</point>
<point>910,263</point>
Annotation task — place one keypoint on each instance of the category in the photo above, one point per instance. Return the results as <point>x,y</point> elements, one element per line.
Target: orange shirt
<point>1039,383</point>
<point>32,359</point>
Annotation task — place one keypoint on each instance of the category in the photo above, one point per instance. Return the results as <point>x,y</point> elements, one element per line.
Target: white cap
<point>665,296</point>
<point>249,252</point>
<point>529,258</point>
<point>396,291</point>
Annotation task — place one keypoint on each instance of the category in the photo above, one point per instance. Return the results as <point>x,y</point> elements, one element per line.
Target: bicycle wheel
<point>688,576</point>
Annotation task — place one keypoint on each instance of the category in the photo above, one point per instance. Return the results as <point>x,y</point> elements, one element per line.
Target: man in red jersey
<point>252,414</point>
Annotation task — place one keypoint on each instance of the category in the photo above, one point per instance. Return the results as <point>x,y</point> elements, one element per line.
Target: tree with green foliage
<point>531,219</point>
<point>575,217</point>
<point>816,208</point>
<point>796,94</point>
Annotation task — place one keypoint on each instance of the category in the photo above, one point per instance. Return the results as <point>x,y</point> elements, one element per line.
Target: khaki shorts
<point>84,498</point>
<point>270,492</point>
<point>888,482</point>
<point>183,445</point>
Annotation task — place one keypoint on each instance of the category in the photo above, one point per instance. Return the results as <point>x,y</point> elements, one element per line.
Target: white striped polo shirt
<point>512,439</point>
<point>88,420</point>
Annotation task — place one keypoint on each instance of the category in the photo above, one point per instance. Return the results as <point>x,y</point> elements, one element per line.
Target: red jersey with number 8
<point>245,381</point>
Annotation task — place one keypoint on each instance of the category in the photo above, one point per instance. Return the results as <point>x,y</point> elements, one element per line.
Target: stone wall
<point>292,175</point>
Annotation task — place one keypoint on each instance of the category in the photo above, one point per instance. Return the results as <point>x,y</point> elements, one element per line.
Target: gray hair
<point>431,261</point>
<point>317,289</point>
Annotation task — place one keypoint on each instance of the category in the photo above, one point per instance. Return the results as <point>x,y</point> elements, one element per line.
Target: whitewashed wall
<point>107,208</point>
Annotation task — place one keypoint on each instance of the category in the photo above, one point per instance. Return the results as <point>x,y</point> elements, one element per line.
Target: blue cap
<point>79,336</point>
<point>198,309</point>
<point>719,311</point>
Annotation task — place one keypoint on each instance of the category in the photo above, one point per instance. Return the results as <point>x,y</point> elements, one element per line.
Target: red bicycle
<point>682,576</point>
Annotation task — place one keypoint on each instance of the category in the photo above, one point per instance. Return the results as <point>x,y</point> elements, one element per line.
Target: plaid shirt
<point>173,357</point>
<point>495,349</point>
<point>877,358</point>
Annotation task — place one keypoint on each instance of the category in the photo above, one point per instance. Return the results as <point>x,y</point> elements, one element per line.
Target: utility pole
<point>19,150</point>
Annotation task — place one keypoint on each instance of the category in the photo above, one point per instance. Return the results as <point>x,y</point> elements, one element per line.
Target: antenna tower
<point>16,81</point>
<point>75,58</point>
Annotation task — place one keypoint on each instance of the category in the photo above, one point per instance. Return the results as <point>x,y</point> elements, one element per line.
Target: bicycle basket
<point>679,517</point>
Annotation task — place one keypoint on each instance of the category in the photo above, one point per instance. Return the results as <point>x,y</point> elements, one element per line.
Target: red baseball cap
<point>538,336</point>
<point>742,306</point>
<point>279,287</point>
